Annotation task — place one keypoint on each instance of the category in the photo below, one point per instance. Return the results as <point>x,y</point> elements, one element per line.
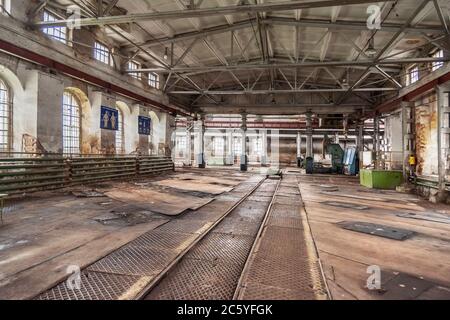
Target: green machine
<point>337,161</point>
<point>342,162</point>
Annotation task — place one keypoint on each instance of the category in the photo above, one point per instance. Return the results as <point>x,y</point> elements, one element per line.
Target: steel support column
<point>264,147</point>
<point>189,127</point>
<point>309,136</point>
<point>360,142</point>
<point>230,149</point>
<point>201,142</point>
<point>244,143</point>
<point>443,134</point>
<point>299,148</point>
<point>375,142</point>
<point>408,138</point>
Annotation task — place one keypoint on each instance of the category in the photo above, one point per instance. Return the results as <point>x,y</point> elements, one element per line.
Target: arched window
<point>71,124</point>
<point>120,147</point>
<point>5,117</point>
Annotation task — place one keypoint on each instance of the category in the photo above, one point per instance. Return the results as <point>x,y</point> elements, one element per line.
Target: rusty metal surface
<point>163,240</point>
<point>238,226</point>
<point>133,260</point>
<point>377,230</point>
<point>93,286</point>
<point>346,205</point>
<point>222,248</point>
<point>198,280</point>
<point>281,267</point>
<point>184,226</point>
<point>285,222</point>
<point>212,268</point>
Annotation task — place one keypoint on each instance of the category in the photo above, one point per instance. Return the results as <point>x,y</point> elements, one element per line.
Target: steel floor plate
<point>184,226</point>
<point>237,226</point>
<point>258,291</point>
<point>285,222</point>
<point>137,261</point>
<point>223,247</point>
<point>93,286</point>
<point>163,240</point>
<point>345,205</point>
<point>377,230</point>
<point>198,280</point>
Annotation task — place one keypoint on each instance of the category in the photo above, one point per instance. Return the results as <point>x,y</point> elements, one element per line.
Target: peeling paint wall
<point>426,136</point>
<point>37,113</point>
<point>394,141</point>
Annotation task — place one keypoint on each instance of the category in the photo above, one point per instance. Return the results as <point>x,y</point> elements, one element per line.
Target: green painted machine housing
<point>381,179</point>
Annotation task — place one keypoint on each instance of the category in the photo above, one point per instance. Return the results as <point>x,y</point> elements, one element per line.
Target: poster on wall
<point>109,118</point>
<point>144,125</point>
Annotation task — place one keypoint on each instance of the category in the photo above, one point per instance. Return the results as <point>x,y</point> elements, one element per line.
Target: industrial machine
<point>342,162</point>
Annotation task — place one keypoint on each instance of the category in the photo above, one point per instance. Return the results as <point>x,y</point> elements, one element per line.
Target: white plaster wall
<point>23,84</point>
<point>394,139</point>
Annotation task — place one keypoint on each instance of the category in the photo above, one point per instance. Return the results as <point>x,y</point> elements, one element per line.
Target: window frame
<point>218,146</point>
<point>410,78</point>
<point>257,146</point>
<point>102,52</point>
<point>51,32</point>
<point>5,7</point>
<point>8,115</point>
<point>181,145</point>
<point>134,65</point>
<point>437,65</point>
<point>153,82</point>
<point>74,145</point>
<point>237,141</point>
<point>120,134</point>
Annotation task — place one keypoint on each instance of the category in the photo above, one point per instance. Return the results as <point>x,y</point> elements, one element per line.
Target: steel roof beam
<point>199,69</point>
<point>196,13</point>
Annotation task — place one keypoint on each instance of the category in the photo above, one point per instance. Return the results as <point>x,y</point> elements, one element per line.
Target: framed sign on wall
<point>109,118</point>
<point>144,125</point>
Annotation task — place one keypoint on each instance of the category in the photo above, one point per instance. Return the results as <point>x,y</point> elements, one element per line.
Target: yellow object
<point>412,160</point>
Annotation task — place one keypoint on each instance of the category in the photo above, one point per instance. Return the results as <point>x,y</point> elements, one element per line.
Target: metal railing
<point>20,174</point>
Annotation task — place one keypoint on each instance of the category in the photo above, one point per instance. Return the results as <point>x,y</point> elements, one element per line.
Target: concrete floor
<point>46,232</point>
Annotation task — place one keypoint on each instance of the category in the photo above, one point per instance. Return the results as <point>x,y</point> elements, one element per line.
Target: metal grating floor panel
<point>237,226</point>
<point>138,261</point>
<point>163,240</point>
<point>198,280</point>
<point>288,211</point>
<point>184,226</point>
<point>287,200</point>
<point>93,286</point>
<point>285,222</point>
<point>223,247</point>
<point>258,291</point>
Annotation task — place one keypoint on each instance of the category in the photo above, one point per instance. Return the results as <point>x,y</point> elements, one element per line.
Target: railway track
<point>136,268</point>
<point>212,268</point>
<point>258,249</point>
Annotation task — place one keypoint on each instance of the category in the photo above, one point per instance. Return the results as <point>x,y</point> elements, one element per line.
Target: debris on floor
<point>377,230</point>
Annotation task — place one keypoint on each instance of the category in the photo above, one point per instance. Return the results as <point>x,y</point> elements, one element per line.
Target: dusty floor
<point>48,232</point>
<point>415,268</point>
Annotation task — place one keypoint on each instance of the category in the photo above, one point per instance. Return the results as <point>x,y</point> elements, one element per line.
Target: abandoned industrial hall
<point>230,150</point>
